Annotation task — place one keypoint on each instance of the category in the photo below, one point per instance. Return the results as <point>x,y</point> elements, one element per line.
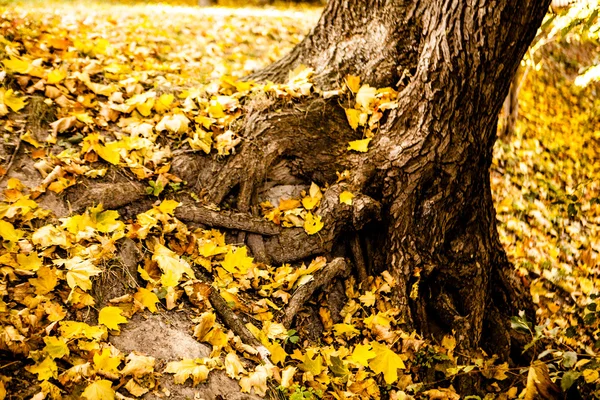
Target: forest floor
<point>106,93</point>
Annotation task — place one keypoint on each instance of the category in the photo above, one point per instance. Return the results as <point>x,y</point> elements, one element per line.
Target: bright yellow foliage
<point>111,317</point>
<point>99,390</point>
<point>362,145</point>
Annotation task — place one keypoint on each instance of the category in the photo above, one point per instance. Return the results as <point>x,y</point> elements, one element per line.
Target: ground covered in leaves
<point>110,94</point>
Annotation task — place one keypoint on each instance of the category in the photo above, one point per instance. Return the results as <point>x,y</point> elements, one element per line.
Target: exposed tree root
<point>257,247</point>
<point>112,195</point>
<point>337,267</point>
<point>225,219</point>
<point>233,322</point>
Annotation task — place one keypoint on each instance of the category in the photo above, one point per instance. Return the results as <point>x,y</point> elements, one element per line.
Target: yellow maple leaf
<point>99,390</point>
<point>171,264</point>
<point>145,109</point>
<point>51,391</point>
<point>138,365</point>
<point>168,206</point>
<point>256,381</point>
<point>56,76</point>
<point>56,347</point>
<point>233,366</point>
<point>164,102</point>
<point>209,248</point>
<point>346,198</point>
<point>591,375</point>
<point>16,65</point>
<point>46,280</point>
<point>386,362</point>
<point>50,235</point>
<point>274,330</point>
<point>84,117</point>
<point>105,362</point>
<point>29,262</point>
<point>312,223</point>
<point>110,152</point>
<point>368,299</point>
<point>288,204</point>
<point>55,311</point>
<point>45,370</point>
<point>237,261</point>
<point>217,338</point>
<point>188,368</point>
<point>205,324</point>
<point>201,140</point>
<point>215,110</point>
<point>147,298</point>
<point>135,388</point>
<point>353,117</point>
<point>79,272</point>
<point>9,233</point>
<point>361,354</point>
<point>111,317</point>
<point>348,329</point>
<point>77,372</point>
<point>362,146</point>
<point>80,225</point>
<point>287,376</point>
<point>314,197</point>
<point>108,221</point>
<point>80,299</point>
<point>278,354</point>
<point>177,123</point>
<point>27,137</point>
<point>314,366</point>
<point>12,100</point>
<point>380,318</point>
<point>353,83</point>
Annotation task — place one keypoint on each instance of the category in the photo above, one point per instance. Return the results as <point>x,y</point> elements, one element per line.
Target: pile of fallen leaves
<point>126,86</point>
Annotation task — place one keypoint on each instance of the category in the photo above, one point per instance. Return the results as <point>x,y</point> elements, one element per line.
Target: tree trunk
<point>428,167</point>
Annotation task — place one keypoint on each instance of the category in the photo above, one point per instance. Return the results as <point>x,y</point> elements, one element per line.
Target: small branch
<point>337,267</point>
<point>12,160</point>
<point>225,219</point>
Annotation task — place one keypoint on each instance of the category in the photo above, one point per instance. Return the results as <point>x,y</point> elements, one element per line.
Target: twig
<point>9,364</point>
<point>335,268</point>
<point>12,160</point>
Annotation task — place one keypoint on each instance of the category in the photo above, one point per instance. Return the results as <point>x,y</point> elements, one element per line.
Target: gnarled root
<point>336,268</point>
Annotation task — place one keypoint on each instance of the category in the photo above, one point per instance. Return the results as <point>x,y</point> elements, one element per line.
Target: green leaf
<point>337,367</point>
<point>569,359</point>
<point>568,379</point>
<point>520,324</point>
